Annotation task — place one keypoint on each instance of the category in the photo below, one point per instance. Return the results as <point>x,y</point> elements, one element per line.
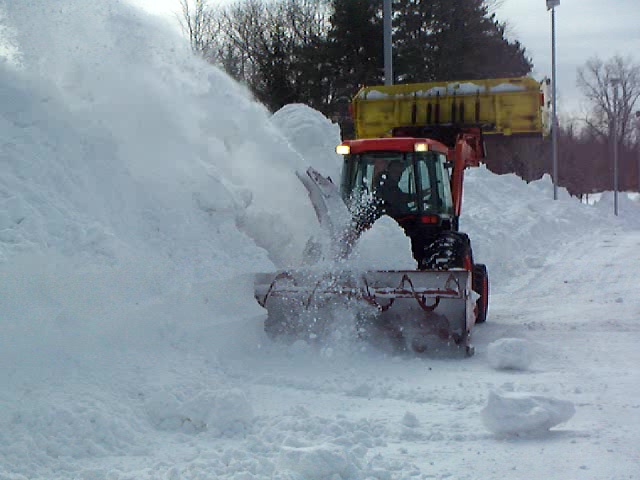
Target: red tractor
<point>413,144</point>
<point>427,176</point>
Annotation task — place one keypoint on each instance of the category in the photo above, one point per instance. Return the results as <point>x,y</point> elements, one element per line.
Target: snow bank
<point>514,226</point>
<point>519,413</point>
<point>628,207</point>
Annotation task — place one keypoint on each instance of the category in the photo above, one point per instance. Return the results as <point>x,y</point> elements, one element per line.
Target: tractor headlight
<point>420,147</point>
<point>343,149</point>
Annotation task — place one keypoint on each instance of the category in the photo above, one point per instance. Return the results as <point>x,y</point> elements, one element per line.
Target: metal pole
<point>638,144</point>
<point>615,145</point>
<point>554,125</point>
<point>388,57</point>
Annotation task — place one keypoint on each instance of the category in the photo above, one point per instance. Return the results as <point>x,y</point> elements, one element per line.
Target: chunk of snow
<point>321,462</point>
<point>410,420</point>
<point>510,353</point>
<point>225,413</point>
<point>518,413</point>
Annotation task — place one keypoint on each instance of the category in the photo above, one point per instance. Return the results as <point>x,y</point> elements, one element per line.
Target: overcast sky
<point>584,28</point>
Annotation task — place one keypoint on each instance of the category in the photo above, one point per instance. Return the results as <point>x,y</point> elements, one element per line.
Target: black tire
<point>480,285</point>
<point>448,250</point>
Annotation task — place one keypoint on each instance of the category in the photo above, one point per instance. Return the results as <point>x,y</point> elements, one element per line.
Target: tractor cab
<point>405,178</point>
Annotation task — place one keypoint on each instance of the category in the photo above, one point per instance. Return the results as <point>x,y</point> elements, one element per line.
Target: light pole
<point>551,5</point>
<point>615,82</point>
<point>388,55</point>
<point>638,144</point>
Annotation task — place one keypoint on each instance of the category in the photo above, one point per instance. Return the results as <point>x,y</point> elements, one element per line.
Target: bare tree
<point>198,22</point>
<point>245,25</point>
<point>596,80</point>
<point>267,41</point>
<point>307,19</point>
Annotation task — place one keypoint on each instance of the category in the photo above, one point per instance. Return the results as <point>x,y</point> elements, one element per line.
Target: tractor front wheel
<point>480,285</point>
<point>448,250</point>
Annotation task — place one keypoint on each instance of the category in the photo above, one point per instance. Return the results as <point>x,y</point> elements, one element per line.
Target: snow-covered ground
<point>140,189</point>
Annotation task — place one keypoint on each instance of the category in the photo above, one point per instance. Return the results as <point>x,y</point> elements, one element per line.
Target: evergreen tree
<point>453,40</point>
<point>354,45</point>
<point>413,48</point>
<point>278,78</point>
<point>317,78</point>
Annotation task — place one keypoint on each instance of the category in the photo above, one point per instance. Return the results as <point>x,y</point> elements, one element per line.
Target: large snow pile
<point>137,186</point>
<point>128,106</point>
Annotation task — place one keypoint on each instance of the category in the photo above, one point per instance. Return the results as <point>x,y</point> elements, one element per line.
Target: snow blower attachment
<point>420,310</point>
<point>408,160</point>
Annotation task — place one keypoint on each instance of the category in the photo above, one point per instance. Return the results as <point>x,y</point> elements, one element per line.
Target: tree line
<point>611,89</point>
<point>320,52</point>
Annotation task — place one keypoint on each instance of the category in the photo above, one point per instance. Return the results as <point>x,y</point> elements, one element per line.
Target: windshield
<point>401,183</point>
